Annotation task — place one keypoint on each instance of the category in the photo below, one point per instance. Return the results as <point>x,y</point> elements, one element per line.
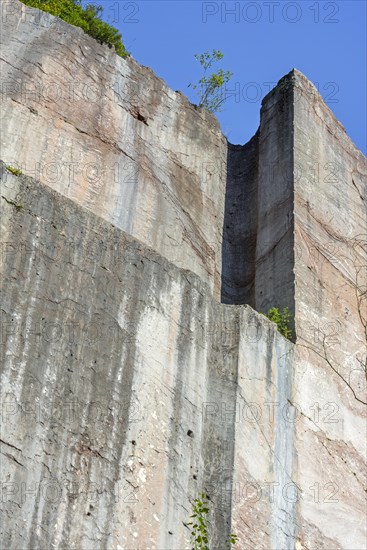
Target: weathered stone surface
<point>120,379</point>
<point>240,224</point>
<point>127,387</point>
<point>109,134</point>
<point>330,228</point>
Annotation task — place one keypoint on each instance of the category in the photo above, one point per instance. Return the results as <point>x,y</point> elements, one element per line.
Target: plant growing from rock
<point>200,524</point>
<point>14,171</point>
<point>282,319</point>
<point>210,87</point>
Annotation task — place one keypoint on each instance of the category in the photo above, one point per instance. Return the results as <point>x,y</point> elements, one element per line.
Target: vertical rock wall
<point>240,224</point>
<point>330,196</point>
<point>258,221</point>
<point>274,282</point>
<point>127,388</point>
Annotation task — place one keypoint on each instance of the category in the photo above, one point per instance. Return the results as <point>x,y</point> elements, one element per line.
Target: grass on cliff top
<point>88,19</point>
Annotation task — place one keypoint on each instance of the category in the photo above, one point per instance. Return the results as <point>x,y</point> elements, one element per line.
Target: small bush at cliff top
<point>281,318</point>
<point>88,19</point>
<point>210,88</point>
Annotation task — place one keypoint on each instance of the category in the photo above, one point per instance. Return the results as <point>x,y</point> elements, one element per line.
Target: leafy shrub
<point>281,318</point>
<point>199,525</point>
<point>14,171</point>
<point>199,530</point>
<point>210,87</point>
<point>88,19</point>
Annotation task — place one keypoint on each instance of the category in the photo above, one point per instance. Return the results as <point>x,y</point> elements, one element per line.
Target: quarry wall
<point>135,248</point>
<point>330,247</point>
<point>126,387</point>
<point>109,134</point>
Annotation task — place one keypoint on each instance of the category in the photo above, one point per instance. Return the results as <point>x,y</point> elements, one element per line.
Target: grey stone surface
<point>120,378</point>
<point>330,269</point>
<point>240,224</point>
<point>109,134</point>
<point>127,388</point>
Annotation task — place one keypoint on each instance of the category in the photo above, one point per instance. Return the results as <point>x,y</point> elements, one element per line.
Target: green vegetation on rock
<point>14,171</point>
<point>88,19</point>
<point>210,88</point>
<point>281,318</point>
<point>200,525</point>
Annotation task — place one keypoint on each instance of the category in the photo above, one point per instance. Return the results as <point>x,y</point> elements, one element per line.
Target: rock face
<point>136,247</point>
<point>110,135</point>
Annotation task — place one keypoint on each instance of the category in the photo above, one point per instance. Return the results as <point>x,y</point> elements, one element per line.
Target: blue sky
<point>261,41</point>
